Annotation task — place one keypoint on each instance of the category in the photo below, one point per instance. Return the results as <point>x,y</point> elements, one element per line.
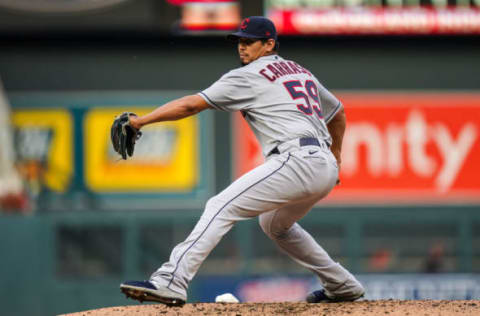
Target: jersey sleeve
<point>232,92</point>
<point>330,104</point>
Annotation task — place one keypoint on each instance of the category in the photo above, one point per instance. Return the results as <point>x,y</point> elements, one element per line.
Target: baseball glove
<point>124,135</point>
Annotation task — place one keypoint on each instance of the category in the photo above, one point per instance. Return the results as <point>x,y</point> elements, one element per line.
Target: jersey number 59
<point>296,90</point>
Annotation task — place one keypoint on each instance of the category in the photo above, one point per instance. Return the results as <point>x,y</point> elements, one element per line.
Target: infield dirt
<point>363,308</point>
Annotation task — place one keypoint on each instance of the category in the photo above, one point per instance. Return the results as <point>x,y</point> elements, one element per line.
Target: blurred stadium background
<point>75,222</point>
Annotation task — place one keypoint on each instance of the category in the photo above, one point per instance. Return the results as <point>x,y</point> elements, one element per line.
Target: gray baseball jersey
<point>284,104</point>
<point>280,100</point>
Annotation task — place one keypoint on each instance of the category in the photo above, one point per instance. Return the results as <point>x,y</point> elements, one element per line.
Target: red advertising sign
<point>376,20</point>
<point>399,147</point>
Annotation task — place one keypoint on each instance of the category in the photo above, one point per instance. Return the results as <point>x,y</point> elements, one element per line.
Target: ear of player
<point>123,135</point>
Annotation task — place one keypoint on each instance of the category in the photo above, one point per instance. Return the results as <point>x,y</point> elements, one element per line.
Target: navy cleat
<point>146,291</point>
<point>321,297</point>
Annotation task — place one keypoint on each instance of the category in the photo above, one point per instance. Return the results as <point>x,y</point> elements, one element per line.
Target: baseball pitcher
<point>299,125</point>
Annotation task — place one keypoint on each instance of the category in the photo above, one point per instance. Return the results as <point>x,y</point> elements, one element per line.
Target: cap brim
<point>235,36</point>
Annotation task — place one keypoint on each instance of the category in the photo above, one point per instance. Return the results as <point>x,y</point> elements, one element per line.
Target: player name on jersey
<point>274,71</point>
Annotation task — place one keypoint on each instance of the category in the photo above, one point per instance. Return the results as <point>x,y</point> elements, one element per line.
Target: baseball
<point>226,298</point>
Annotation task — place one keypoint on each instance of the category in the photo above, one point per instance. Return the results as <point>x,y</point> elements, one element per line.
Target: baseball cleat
<point>321,297</point>
<point>146,291</point>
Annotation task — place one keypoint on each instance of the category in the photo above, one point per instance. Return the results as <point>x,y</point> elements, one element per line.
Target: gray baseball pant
<point>280,191</point>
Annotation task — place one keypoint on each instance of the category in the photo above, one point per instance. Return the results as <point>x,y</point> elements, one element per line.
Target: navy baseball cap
<point>255,27</point>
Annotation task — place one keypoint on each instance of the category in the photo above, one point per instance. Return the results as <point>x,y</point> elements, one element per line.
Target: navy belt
<point>304,141</point>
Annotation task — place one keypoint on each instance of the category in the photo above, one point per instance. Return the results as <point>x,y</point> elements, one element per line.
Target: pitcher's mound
<point>367,308</point>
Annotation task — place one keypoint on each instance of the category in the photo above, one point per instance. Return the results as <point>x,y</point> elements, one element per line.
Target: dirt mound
<point>364,308</point>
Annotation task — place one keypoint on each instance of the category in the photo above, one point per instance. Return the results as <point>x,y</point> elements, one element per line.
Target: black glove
<point>124,135</point>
